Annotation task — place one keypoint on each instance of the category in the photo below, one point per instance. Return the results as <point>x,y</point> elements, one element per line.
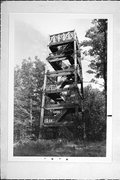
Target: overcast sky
<point>32,30</point>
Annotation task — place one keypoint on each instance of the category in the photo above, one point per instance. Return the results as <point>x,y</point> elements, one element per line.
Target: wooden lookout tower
<point>62,99</point>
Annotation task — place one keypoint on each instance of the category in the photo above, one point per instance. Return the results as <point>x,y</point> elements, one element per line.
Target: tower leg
<point>43,99</point>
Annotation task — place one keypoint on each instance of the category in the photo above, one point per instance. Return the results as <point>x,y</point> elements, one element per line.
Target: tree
<point>97,35</point>
<point>28,80</point>
<point>94,114</point>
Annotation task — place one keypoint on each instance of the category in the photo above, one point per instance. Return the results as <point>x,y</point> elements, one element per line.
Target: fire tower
<point>62,99</point>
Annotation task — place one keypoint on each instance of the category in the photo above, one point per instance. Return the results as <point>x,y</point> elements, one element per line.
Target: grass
<point>60,148</point>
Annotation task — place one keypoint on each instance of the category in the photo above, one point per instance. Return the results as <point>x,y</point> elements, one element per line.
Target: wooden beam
<point>54,56</point>
<point>58,124</point>
<point>43,99</point>
<point>61,43</point>
<point>67,106</point>
<point>59,90</point>
<point>61,71</point>
<point>62,33</point>
<point>75,57</point>
<point>57,59</point>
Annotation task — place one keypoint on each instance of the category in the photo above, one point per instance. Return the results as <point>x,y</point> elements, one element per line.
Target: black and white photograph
<point>60,85</point>
<point>60,90</point>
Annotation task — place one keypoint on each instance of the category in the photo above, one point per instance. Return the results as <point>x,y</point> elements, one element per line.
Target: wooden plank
<point>58,90</point>
<point>60,43</point>
<point>61,71</point>
<point>67,106</point>
<point>57,59</point>
<point>60,74</point>
<point>55,124</point>
<point>62,33</point>
<point>54,56</point>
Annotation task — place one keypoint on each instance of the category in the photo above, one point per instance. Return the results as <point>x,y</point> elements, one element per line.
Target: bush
<point>94,114</point>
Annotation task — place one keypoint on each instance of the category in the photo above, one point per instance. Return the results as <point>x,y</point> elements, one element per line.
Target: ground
<point>60,148</point>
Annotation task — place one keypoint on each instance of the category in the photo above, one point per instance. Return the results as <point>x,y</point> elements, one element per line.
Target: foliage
<point>94,115</point>
<point>28,80</point>
<point>97,40</point>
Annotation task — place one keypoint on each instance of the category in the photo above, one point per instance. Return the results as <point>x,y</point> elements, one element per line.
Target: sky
<point>32,30</point>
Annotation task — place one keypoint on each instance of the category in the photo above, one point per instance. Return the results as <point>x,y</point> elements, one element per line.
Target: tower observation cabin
<point>62,92</point>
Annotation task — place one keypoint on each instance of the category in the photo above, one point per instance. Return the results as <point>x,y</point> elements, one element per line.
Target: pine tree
<point>28,80</point>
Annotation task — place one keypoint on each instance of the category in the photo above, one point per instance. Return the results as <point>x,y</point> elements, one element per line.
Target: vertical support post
<point>75,58</point>
<point>43,98</point>
<point>75,67</point>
